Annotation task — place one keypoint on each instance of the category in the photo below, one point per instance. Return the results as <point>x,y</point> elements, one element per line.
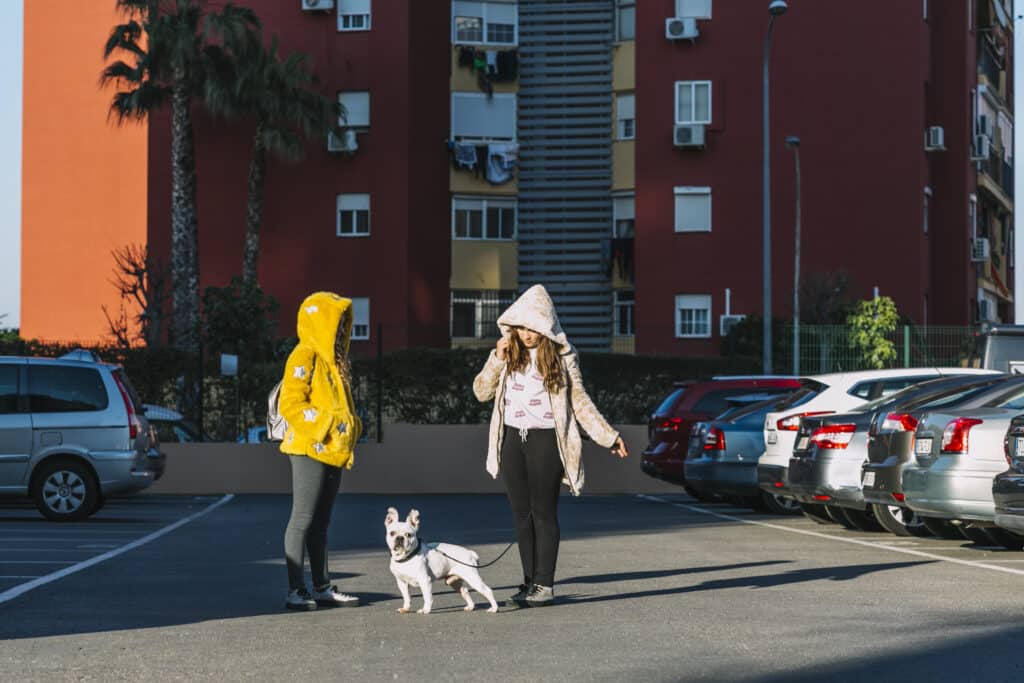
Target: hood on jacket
<point>535,311</point>
<point>319,317</point>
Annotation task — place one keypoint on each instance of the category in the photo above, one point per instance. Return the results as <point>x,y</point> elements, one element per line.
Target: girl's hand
<point>501,348</point>
<point>619,448</point>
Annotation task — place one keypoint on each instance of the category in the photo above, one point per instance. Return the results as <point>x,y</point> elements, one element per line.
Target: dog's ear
<point>413,519</point>
<point>392,517</point>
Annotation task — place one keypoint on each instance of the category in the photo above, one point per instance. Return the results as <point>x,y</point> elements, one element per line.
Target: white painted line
<point>828,537</point>
<point>12,593</point>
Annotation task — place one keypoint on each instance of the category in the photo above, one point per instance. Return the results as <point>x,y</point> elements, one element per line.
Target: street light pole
<point>775,9</point>
<point>793,143</point>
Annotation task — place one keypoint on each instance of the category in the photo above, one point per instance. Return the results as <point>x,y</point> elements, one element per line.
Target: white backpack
<point>277,426</point>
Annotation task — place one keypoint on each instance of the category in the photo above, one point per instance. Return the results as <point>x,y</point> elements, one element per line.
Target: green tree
<point>870,323</point>
<point>278,93</point>
<point>239,319</point>
<point>162,55</point>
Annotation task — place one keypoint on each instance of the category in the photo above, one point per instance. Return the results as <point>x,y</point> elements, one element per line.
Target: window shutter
<point>353,6</point>
<point>476,116</point>
<point>353,202</point>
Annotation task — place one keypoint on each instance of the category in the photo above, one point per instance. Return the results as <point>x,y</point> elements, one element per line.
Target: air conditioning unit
<point>980,249</point>
<point>347,142</point>
<point>317,5</point>
<point>688,135</point>
<point>935,139</point>
<point>982,148</point>
<point>681,28</point>
<point>727,322</point>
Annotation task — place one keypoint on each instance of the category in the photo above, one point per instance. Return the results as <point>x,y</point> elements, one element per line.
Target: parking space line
<point>828,537</point>
<point>12,593</point>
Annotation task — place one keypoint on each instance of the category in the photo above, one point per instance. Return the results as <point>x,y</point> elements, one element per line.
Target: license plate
<point>802,443</point>
<point>773,438</point>
<point>1018,446</point>
<point>923,446</point>
<point>869,479</point>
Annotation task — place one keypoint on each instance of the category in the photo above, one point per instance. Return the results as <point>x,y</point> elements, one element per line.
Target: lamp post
<point>775,9</point>
<point>793,143</point>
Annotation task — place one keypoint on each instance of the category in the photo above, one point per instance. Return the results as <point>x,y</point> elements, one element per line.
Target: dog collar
<point>410,555</point>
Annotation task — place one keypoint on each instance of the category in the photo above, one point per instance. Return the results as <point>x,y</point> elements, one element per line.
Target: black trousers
<point>532,472</point>
<point>314,488</point>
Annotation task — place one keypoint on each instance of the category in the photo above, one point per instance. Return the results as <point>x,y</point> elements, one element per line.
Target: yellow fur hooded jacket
<point>322,421</point>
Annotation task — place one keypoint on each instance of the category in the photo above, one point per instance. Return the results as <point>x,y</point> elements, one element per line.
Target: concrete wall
<point>411,459</point>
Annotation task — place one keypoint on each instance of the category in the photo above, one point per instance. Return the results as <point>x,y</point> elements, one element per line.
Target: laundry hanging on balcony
<point>490,66</point>
<point>502,159</point>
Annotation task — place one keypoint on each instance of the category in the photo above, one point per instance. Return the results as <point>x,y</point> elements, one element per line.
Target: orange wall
<point>83,177</point>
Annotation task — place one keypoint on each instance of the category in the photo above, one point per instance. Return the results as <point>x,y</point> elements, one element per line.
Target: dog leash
<point>466,564</point>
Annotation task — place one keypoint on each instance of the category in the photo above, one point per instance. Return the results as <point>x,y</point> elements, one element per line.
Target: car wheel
<point>838,515</point>
<point>899,520</point>
<point>65,491</point>
<point>863,520</point>
<point>815,513</point>
<point>780,505</point>
<point>1007,539</point>
<point>974,534</point>
<point>941,528</point>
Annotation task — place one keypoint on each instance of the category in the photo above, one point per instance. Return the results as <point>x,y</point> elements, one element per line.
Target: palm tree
<point>171,66</point>
<point>251,79</point>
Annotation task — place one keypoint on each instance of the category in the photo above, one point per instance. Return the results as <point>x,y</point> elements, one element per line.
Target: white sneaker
<point>299,599</point>
<point>331,597</point>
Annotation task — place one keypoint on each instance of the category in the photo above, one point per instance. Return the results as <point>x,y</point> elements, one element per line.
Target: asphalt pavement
<point>649,589</point>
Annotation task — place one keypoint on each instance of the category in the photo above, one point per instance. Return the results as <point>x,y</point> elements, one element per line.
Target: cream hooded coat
<point>570,405</point>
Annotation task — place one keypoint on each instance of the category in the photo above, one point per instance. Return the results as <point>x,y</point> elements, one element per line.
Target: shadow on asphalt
<point>844,573</point>
<point>664,573</point>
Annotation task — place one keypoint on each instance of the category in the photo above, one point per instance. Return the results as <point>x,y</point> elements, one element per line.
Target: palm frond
<point>123,74</point>
<point>124,37</point>
<point>133,106</point>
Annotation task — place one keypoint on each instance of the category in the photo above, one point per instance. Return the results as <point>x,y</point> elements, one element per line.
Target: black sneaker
<point>331,597</point>
<point>524,590</point>
<point>540,596</point>
<point>300,599</point>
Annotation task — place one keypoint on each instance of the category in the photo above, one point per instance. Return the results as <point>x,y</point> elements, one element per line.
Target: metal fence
<point>826,348</point>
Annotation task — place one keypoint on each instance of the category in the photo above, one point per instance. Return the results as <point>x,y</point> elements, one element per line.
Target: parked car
<point>1008,486</point>
<point>171,426</point>
<point>957,454</point>
<point>669,427</point>
<point>890,447</point>
<point>834,393</point>
<point>73,433</point>
<point>722,457</point>
<point>254,435</point>
<point>1003,348</point>
<point>831,450</point>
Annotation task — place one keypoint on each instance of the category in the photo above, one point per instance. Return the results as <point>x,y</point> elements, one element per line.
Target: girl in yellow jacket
<point>316,401</point>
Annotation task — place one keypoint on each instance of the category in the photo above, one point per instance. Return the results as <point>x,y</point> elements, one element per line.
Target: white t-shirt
<point>527,404</point>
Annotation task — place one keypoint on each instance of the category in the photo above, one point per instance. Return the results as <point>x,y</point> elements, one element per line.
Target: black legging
<point>314,488</point>
<point>532,472</point>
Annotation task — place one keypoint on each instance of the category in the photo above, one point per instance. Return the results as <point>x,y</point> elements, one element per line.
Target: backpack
<point>277,426</point>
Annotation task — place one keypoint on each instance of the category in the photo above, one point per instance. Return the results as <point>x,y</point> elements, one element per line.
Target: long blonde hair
<point>548,362</point>
<point>340,355</point>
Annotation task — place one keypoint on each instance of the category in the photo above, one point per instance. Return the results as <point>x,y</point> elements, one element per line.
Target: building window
<point>693,315</point>
<point>483,218</point>
<point>353,215</point>
<point>623,301</point>
<point>693,102</point>
<point>475,312</point>
<point>360,318</point>
<point>926,219</point>
<point>693,209</point>
<point>475,116</point>
<point>484,22</point>
<point>696,9</point>
<point>356,104</point>
<point>624,215</point>
<point>625,19</point>
<point>353,15</point>
<point>625,107</point>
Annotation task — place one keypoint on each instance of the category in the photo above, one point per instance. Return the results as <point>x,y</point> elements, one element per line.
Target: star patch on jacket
<point>299,372</point>
<point>309,414</point>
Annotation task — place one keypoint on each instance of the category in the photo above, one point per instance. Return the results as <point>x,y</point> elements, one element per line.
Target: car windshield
<point>666,406</point>
<point>808,390</point>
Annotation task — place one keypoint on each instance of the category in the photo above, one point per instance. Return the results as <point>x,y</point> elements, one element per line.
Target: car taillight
<point>715,440</point>
<point>669,424</point>
<point>133,419</point>
<point>954,436</point>
<point>792,423</point>
<point>833,436</point>
<point>899,422</point>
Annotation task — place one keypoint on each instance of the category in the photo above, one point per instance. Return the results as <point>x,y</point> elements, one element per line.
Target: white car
<point>824,394</point>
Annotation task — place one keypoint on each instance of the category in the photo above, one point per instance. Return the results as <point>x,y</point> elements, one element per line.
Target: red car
<point>669,428</point>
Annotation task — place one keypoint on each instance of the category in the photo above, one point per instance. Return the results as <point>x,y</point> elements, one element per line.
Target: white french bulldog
<point>420,564</point>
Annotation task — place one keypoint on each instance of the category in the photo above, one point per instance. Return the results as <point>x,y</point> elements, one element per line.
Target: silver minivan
<point>72,434</point>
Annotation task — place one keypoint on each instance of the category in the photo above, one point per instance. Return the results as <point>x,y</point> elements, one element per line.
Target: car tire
<point>780,505</point>
<point>941,528</point>
<point>975,535</point>
<point>899,520</point>
<point>65,490</point>
<point>838,514</point>
<point>863,520</point>
<point>1007,539</point>
<point>815,513</point>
